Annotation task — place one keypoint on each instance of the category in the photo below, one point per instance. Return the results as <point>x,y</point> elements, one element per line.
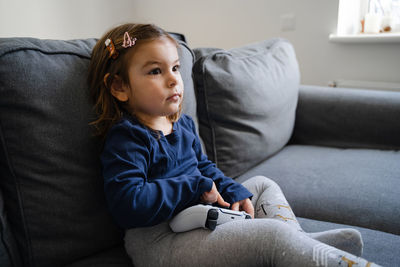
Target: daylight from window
<point>388,11</point>
<point>368,21</point>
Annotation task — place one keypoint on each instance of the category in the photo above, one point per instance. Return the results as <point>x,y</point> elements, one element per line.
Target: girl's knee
<point>261,182</point>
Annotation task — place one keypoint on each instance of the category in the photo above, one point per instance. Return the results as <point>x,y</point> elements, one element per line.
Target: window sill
<point>366,38</point>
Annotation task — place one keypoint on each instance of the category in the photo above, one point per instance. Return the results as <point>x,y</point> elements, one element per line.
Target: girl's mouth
<point>174,97</point>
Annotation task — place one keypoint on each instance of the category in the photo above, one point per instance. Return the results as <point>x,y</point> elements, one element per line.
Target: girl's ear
<point>119,90</point>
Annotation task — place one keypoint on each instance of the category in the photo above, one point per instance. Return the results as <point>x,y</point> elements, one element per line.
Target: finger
<point>222,202</point>
<point>235,206</point>
<point>252,214</point>
<point>248,207</point>
<point>249,210</point>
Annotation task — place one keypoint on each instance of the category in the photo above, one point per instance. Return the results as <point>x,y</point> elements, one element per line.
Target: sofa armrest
<point>343,117</point>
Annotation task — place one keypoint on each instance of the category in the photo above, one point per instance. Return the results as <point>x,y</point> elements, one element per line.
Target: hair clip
<point>105,79</point>
<point>128,41</point>
<point>111,49</point>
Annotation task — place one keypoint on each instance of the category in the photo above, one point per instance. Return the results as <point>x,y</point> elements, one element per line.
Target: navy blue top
<point>149,177</point>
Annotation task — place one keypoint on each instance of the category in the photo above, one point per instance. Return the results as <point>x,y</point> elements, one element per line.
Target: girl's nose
<point>172,80</point>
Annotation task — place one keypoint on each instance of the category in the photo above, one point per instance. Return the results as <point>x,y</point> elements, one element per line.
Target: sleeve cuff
<point>206,185</point>
<point>232,197</point>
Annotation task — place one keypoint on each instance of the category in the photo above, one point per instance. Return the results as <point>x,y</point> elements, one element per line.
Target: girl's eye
<point>155,71</point>
<point>176,67</point>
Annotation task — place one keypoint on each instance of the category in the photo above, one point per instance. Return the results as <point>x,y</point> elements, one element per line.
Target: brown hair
<point>107,108</point>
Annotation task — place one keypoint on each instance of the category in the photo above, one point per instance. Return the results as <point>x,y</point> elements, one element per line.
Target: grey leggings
<point>274,238</point>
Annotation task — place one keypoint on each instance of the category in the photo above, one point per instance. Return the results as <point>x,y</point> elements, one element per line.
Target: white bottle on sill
<point>373,23</point>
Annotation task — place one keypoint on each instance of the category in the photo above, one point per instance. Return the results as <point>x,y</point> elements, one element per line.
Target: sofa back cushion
<point>247,99</point>
<point>50,171</point>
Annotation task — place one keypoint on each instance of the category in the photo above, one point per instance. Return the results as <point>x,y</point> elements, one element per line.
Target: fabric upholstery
<point>9,255</point>
<point>351,186</point>
<point>247,98</point>
<point>186,59</point>
<point>50,171</point>
<point>343,117</point>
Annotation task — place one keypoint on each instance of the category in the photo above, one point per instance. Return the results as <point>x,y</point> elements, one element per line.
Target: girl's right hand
<point>213,196</point>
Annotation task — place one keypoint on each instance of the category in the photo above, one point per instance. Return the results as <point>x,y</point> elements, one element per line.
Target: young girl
<point>153,168</point>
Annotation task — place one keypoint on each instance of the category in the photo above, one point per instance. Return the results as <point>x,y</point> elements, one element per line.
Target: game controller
<point>205,216</point>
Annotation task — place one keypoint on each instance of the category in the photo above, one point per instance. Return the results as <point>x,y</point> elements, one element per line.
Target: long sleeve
<point>134,199</point>
<point>230,190</point>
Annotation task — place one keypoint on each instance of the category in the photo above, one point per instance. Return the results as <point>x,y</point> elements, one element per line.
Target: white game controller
<point>205,216</point>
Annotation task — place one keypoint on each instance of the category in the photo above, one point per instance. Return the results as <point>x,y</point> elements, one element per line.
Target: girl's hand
<point>213,196</point>
<point>244,205</point>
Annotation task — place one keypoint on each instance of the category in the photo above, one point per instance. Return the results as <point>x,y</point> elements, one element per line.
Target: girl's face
<point>155,84</point>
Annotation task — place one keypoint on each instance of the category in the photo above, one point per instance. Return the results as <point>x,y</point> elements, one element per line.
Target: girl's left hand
<point>244,205</point>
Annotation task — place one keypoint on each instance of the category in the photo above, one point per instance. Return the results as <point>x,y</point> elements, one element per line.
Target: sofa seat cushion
<point>351,186</point>
<point>379,247</point>
<point>247,99</point>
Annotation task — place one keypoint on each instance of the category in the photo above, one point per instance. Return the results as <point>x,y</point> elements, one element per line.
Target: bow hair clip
<point>128,41</point>
<point>111,49</point>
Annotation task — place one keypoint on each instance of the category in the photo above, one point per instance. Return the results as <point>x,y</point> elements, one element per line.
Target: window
<point>384,7</point>
<point>368,20</point>
<point>388,11</point>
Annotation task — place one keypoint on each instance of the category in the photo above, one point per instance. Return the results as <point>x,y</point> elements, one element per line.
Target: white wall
<point>62,19</point>
<point>216,23</point>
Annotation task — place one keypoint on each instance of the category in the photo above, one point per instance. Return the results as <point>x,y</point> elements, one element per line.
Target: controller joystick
<point>212,219</point>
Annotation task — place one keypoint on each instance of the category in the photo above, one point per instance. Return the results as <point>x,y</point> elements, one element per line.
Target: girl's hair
<point>108,109</point>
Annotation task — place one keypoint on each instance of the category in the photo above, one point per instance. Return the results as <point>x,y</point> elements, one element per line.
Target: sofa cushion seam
<point>210,121</point>
<point>61,52</point>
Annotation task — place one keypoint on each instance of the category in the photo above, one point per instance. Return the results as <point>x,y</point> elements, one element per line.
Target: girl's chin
<point>173,109</point>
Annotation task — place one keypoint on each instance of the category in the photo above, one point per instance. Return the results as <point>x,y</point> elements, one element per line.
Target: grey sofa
<point>334,152</point>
